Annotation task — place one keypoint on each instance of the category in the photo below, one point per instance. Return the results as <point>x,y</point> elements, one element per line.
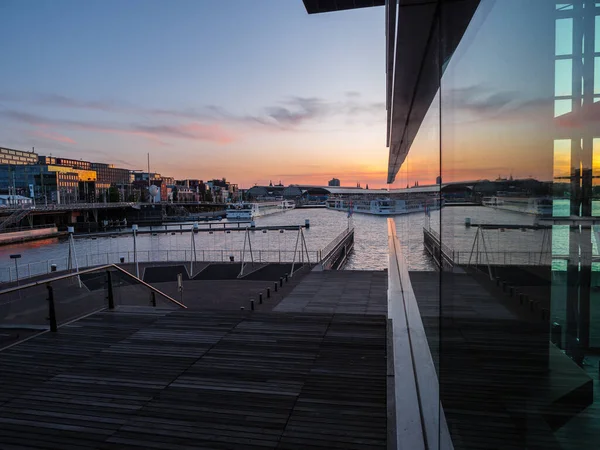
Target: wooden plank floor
<point>339,291</point>
<point>150,378</point>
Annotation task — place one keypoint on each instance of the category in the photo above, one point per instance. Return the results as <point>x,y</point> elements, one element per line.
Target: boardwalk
<point>143,378</point>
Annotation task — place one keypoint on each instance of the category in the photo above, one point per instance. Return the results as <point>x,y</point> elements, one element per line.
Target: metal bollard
<point>260,299</point>
<point>111,297</point>
<point>122,260</point>
<point>531,305</point>
<point>286,277</point>
<point>275,286</point>
<point>511,290</point>
<point>504,285</point>
<point>51,310</point>
<point>280,281</point>
<point>544,314</point>
<point>241,308</point>
<point>153,298</point>
<point>252,304</point>
<point>498,281</point>
<point>53,268</point>
<point>268,292</point>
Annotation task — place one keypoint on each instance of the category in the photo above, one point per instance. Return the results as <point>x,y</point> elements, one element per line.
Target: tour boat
<point>251,210</point>
<point>537,206</point>
<point>492,201</point>
<point>384,206</point>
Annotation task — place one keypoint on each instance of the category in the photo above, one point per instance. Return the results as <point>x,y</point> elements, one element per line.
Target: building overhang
<point>415,63</point>
<point>416,55</point>
<point>322,6</point>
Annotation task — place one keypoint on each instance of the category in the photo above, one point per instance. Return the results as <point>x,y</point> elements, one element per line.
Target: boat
<point>492,201</point>
<point>252,210</point>
<point>287,205</point>
<point>384,206</point>
<point>537,206</point>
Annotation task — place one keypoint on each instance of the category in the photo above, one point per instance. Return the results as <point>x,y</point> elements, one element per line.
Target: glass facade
<point>512,138</point>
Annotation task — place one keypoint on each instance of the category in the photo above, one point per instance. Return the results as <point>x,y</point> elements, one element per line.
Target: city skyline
<point>276,94</point>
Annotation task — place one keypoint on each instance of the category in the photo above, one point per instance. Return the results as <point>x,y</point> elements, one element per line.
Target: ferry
<point>537,206</point>
<point>492,201</point>
<point>251,210</point>
<point>384,206</point>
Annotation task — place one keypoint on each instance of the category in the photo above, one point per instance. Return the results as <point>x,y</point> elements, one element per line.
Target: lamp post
<point>16,256</point>
<point>134,228</point>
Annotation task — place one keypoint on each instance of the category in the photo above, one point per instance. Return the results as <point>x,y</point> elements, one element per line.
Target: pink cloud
<point>53,136</point>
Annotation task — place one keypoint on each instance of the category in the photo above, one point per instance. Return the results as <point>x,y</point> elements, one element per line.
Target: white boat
<point>537,206</point>
<point>492,201</point>
<point>288,204</point>
<point>384,206</point>
<point>252,210</point>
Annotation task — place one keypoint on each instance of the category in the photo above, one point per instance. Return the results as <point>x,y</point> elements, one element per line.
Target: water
<point>370,252</point>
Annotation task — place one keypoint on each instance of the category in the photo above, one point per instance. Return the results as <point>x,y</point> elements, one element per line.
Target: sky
<point>252,91</point>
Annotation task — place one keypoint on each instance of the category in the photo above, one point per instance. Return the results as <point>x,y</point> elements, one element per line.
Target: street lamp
<point>15,257</point>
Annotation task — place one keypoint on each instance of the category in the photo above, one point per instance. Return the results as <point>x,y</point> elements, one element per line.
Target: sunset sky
<point>249,90</point>
<point>259,90</point>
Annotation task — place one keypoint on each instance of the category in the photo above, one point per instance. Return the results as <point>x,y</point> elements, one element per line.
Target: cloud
<point>291,112</point>
<point>589,115</point>
<point>52,136</point>
<point>481,103</point>
<point>156,133</point>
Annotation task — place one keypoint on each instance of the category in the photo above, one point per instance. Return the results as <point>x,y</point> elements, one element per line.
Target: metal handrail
<point>82,272</point>
<point>334,243</point>
<point>419,416</point>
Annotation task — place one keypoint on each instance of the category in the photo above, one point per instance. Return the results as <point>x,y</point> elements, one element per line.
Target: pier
<point>283,357</point>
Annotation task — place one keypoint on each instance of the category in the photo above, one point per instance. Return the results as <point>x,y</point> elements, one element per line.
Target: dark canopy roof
<point>321,6</point>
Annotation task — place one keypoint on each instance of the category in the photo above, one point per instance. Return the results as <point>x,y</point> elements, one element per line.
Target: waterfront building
<point>15,200</point>
<point>17,157</point>
<point>333,182</point>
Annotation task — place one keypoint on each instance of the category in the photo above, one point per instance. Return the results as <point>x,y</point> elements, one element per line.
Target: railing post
<point>111,298</point>
<point>51,309</point>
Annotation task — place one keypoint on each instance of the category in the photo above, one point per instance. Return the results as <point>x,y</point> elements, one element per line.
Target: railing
<point>419,419</point>
<point>15,217</point>
<point>329,247</point>
<point>34,227</point>
<point>38,268</point>
<point>49,303</point>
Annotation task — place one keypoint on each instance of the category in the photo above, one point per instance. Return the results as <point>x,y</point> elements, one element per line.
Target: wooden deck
<point>352,292</point>
<point>149,378</point>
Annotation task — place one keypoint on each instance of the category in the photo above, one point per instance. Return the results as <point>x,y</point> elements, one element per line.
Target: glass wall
<point>512,138</point>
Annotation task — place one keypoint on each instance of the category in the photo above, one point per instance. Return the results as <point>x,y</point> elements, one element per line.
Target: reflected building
<point>478,88</point>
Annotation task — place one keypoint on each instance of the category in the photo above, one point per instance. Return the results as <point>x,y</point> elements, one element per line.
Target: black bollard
<point>275,286</point>
<point>498,281</point>
<point>111,298</point>
<point>268,292</point>
<point>153,298</point>
<point>252,304</point>
<point>122,260</point>
<point>286,277</point>
<point>51,310</point>
<point>260,299</point>
<point>241,308</point>
<point>280,281</point>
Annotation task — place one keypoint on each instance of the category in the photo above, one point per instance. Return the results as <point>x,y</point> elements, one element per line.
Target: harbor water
<point>370,252</point>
